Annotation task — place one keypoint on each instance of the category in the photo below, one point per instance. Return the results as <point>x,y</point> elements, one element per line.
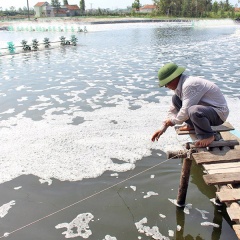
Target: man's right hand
<point>158,133</point>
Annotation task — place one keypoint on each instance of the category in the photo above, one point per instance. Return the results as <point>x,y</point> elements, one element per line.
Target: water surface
<point>76,120</point>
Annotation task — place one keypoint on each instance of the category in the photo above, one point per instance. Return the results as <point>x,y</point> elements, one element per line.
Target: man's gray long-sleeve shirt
<point>197,91</point>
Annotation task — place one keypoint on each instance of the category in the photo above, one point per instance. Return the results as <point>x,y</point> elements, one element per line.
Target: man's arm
<point>191,95</point>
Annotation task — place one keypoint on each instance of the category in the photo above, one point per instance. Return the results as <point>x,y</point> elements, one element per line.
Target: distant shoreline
<point>92,20</point>
<point>95,20</point>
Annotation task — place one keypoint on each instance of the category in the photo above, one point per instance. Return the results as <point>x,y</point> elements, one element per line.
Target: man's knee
<point>192,110</point>
<point>198,113</point>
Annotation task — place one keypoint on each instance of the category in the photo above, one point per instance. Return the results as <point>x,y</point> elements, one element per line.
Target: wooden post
<point>185,174</point>
<point>184,179</point>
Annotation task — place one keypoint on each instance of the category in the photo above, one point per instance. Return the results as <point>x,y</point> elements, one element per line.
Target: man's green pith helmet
<point>169,72</point>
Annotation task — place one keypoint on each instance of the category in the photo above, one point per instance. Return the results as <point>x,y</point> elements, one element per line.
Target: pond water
<point>78,119</point>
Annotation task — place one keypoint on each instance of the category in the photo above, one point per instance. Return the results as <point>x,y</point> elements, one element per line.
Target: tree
<point>65,2</point>
<point>12,9</point>
<point>99,12</point>
<point>191,8</point>
<point>82,6</point>
<point>186,8</point>
<point>136,5</point>
<point>20,11</point>
<point>56,4</point>
<point>164,6</point>
<point>215,7</point>
<point>227,6</point>
<point>25,10</point>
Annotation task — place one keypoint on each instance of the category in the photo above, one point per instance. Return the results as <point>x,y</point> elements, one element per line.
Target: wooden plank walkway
<point>221,162</point>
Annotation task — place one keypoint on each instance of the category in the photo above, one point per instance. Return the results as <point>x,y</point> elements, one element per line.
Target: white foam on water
<point>174,201</point>
<point>170,233</point>
<point>134,188</point>
<point>162,215</point>
<point>5,208</point>
<point>57,98</point>
<point>187,208</point>
<point>74,94</point>
<point>179,228</point>
<point>108,237</point>
<point>78,227</point>
<point>203,213</point>
<point>114,175</point>
<point>40,106</point>
<point>54,148</point>
<point>12,110</point>
<point>153,232</point>
<point>149,194</point>
<point>19,88</point>
<point>48,181</point>
<point>213,200</point>
<point>22,99</point>
<point>209,224</point>
<point>17,188</point>
<point>42,98</point>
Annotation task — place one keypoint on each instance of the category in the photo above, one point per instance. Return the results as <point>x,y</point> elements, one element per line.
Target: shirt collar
<point>178,90</point>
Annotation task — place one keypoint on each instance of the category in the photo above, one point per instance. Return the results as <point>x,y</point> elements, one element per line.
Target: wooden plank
<point>214,144</point>
<point>217,156</point>
<point>229,195</point>
<point>221,178</point>
<point>215,166</point>
<point>231,170</point>
<point>230,136</point>
<point>222,167</point>
<point>234,212</point>
<point>236,228</point>
<point>221,128</point>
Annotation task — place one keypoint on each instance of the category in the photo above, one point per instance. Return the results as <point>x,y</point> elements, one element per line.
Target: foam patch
<point>78,227</point>
<point>206,224</point>
<point>51,148</point>
<point>153,232</point>
<point>5,208</point>
<point>108,237</point>
<point>149,194</point>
